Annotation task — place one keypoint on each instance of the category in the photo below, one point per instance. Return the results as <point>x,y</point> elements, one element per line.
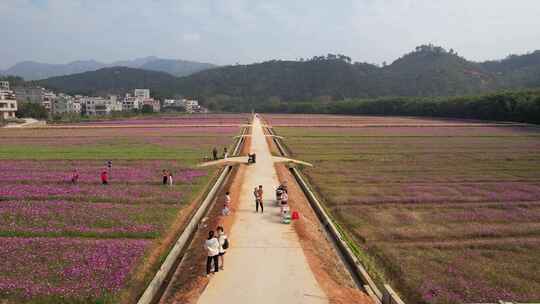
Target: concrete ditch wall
<point>155,288</point>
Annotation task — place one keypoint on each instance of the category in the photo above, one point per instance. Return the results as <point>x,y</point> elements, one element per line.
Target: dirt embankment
<point>189,280</point>
<point>322,257</point>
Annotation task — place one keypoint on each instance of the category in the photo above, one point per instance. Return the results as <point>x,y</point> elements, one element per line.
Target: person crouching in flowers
<point>212,251</point>
<point>104,177</point>
<point>75,177</point>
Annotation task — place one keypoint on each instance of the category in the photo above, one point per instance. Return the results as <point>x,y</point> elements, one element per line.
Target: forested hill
<point>426,71</point>
<point>115,80</point>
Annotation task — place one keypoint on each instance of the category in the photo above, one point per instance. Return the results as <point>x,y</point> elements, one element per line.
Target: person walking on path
<point>225,153</point>
<point>165,176</point>
<point>212,250</point>
<point>256,196</point>
<point>284,198</point>
<point>259,199</point>
<point>214,153</point>
<point>223,246</point>
<point>104,177</point>
<point>170,179</point>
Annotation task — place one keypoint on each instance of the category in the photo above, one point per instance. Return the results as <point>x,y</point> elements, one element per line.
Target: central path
<point>265,263</point>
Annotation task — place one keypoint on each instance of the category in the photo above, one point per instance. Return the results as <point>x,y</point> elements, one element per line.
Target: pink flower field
<point>66,267</point>
<point>83,242</point>
<point>192,119</point>
<point>346,120</point>
<point>446,214</point>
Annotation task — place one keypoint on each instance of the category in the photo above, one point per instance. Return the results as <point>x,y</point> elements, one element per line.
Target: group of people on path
<point>216,246</point>
<point>215,153</point>
<point>281,196</point>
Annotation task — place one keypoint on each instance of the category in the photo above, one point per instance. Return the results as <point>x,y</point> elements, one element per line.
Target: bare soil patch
<point>321,255</point>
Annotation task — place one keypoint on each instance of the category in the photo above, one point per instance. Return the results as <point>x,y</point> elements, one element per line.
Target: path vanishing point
<point>265,263</point>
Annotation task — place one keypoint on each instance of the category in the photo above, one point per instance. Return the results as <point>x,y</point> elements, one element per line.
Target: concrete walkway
<point>265,263</point>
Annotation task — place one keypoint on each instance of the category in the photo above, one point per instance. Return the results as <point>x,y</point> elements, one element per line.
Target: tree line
<point>516,106</point>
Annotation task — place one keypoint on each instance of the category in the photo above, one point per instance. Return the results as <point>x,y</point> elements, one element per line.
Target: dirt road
<point>265,263</point>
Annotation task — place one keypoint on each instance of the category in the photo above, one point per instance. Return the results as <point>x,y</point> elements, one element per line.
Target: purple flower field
<point>86,242</point>
<point>447,214</point>
<point>193,119</point>
<point>46,217</point>
<point>67,267</point>
<point>130,182</point>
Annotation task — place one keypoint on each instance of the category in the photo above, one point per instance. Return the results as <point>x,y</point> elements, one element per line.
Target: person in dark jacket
<point>165,176</point>
<point>75,176</point>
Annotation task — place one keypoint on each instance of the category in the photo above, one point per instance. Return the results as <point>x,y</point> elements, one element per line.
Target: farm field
<point>445,214</point>
<point>350,120</point>
<point>87,242</point>
<point>172,119</point>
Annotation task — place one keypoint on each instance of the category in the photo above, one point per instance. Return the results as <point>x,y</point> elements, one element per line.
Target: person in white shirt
<point>212,249</point>
<point>226,205</point>
<point>223,245</point>
<point>284,198</point>
<point>170,179</point>
<point>225,153</point>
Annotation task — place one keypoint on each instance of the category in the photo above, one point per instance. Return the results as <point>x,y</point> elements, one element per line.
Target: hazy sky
<point>245,31</point>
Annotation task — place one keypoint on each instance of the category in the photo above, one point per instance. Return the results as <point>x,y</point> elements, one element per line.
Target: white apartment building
<point>66,104</point>
<point>47,100</point>
<point>4,85</point>
<point>98,105</point>
<point>156,107</point>
<point>131,103</point>
<point>190,105</point>
<point>114,104</point>
<point>169,103</point>
<point>8,102</point>
<point>29,94</point>
<point>140,98</point>
<point>76,107</point>
<point>142,93</point>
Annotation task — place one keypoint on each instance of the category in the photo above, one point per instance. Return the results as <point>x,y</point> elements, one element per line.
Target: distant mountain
<point>31,70</point>
<point>427,71</point>
<point>521,71</point>
<point>434,71</point>
<point>134,63</point>
<point>176,67</point>
<point>115,80</point>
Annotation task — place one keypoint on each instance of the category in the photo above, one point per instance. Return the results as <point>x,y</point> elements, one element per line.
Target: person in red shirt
<point>104,177</point>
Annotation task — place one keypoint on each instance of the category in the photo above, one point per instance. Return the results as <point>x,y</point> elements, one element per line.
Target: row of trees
<point>520,106</point>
